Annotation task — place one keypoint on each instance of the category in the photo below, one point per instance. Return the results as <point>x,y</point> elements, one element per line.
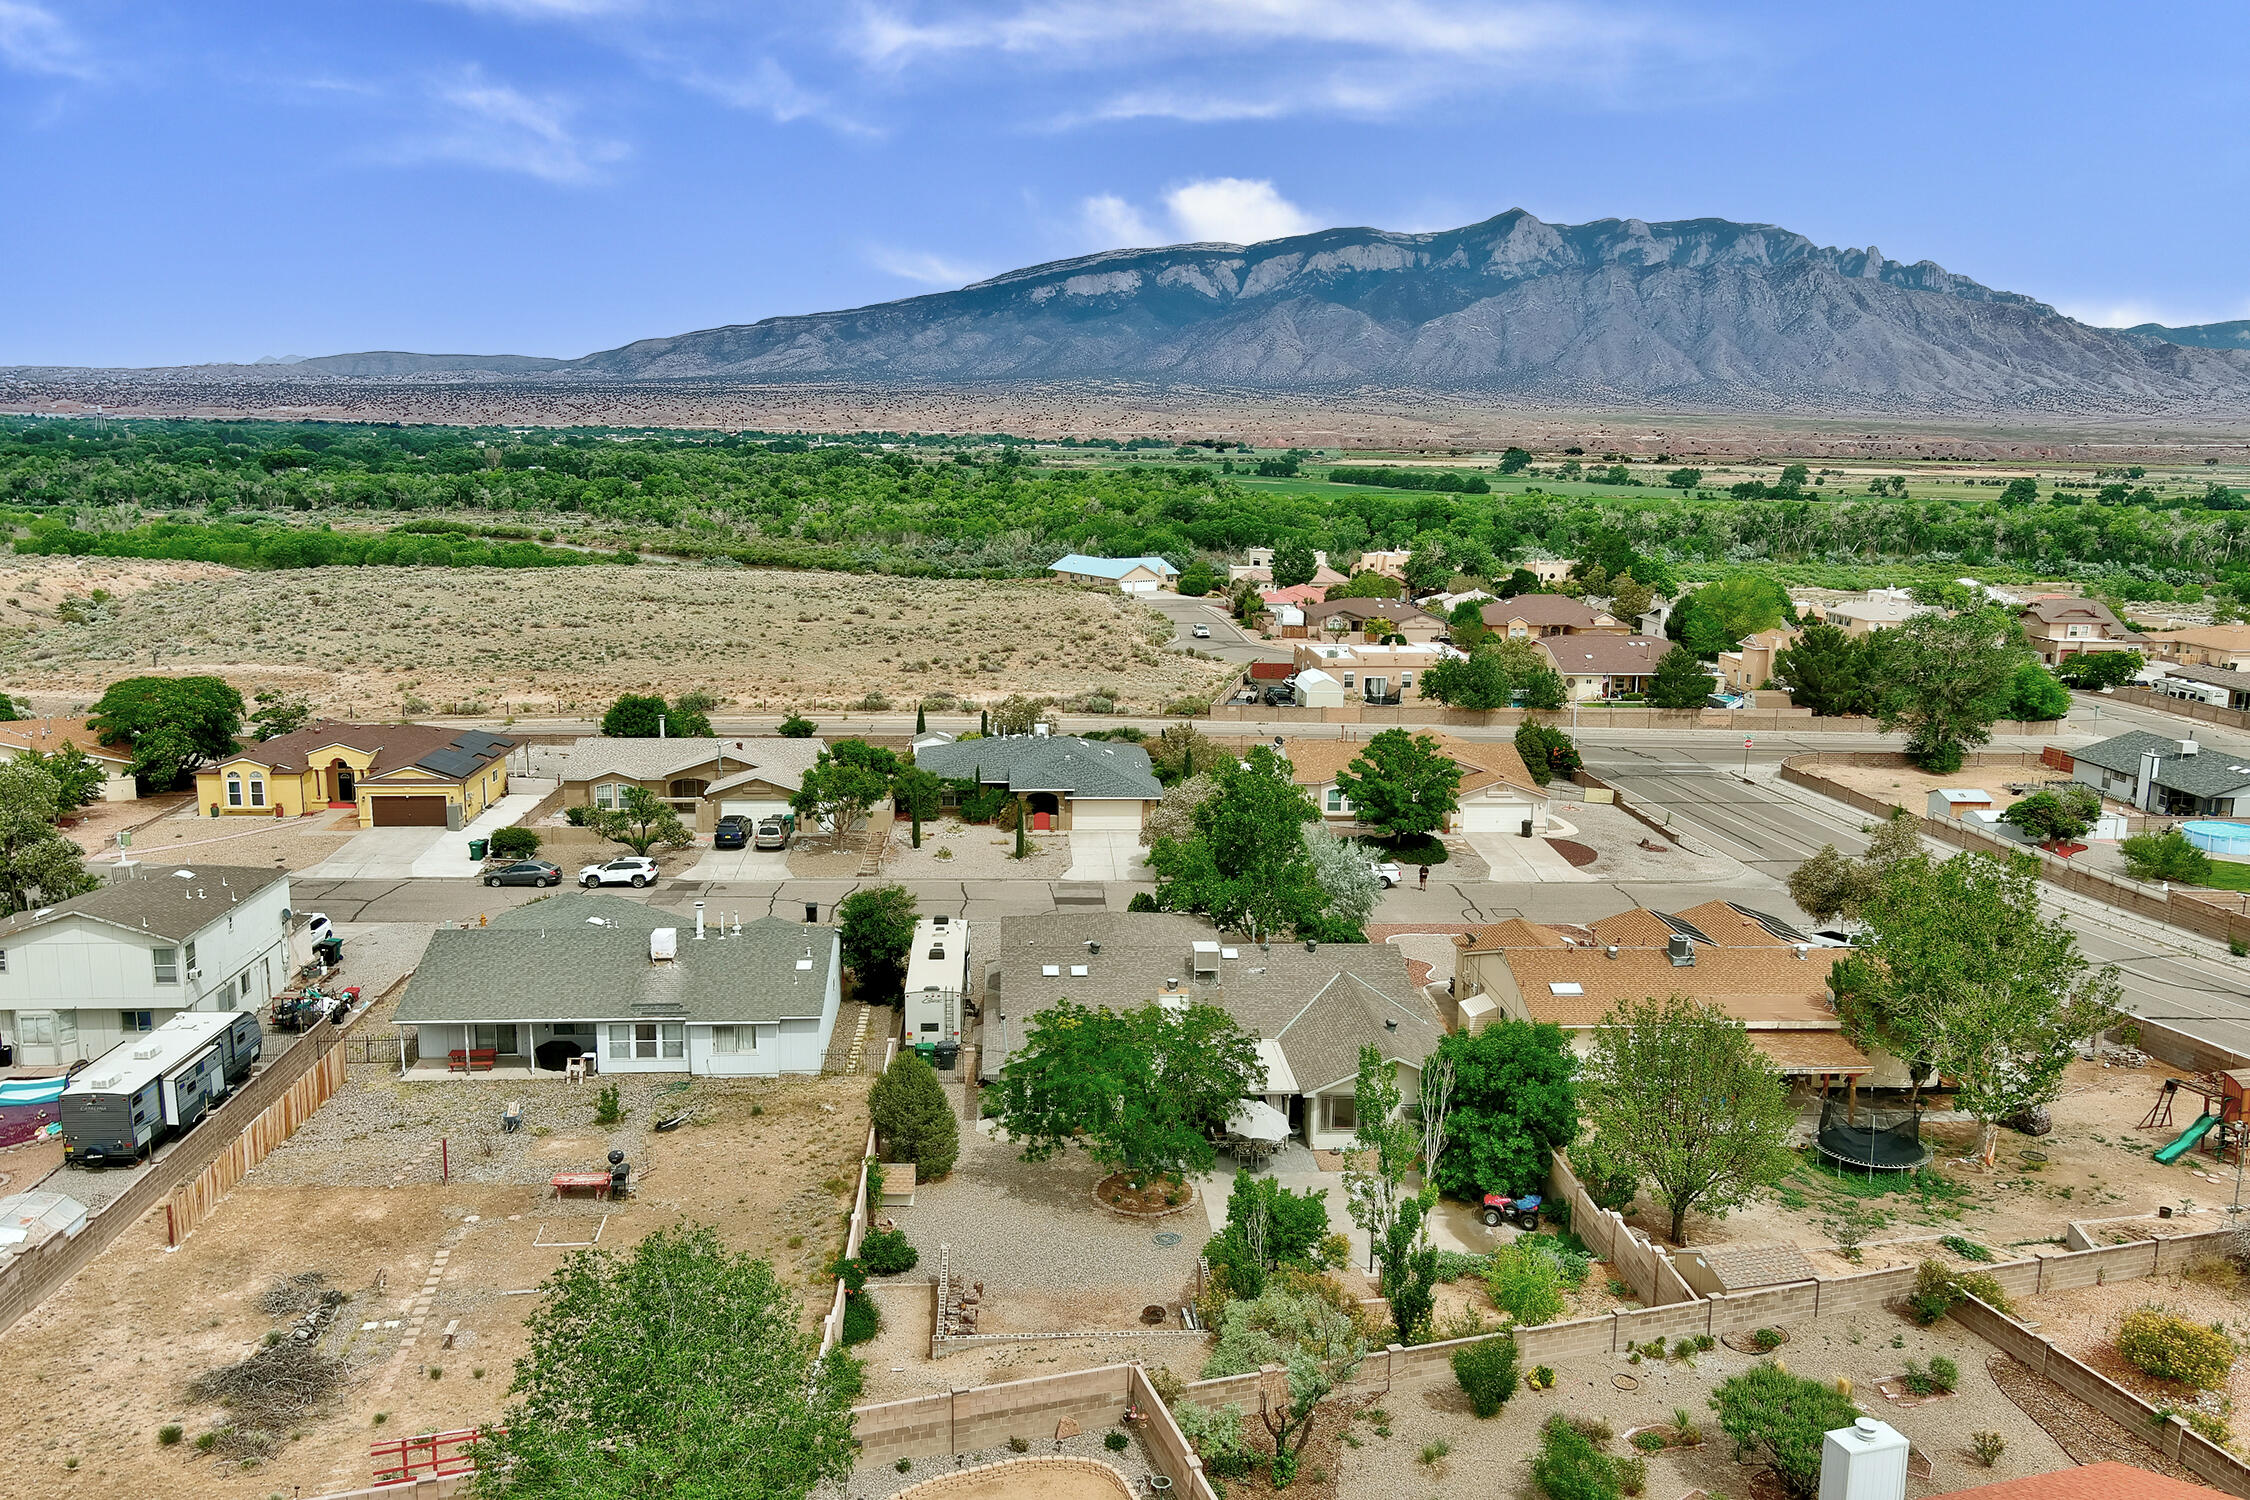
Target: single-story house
<point>2059,626</point>
<point>1760,971</point>
<point>1259,569</point>
<point>1310,1011</point>
<point>1067,783</point>
<point>48,735</point>
<point>81,976</point>
<point>584,972</point>
<point>1371,673</point>
<point>1604,666</point>
<point>397,775</point>
<point>1497,794</point>
<point>704,779</point>
<point>2203,645</point>
<point>1374,619</point>
<point>1128,575</point>
<point>1535,615</point>
<point>2220,687</point>
<point>2160,774</point>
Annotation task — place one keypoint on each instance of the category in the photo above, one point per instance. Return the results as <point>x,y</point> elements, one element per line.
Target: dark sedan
<point>525,872</point>
<point>732,832</point>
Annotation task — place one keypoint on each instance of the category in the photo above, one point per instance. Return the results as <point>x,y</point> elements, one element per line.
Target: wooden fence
<point>192,1202</point>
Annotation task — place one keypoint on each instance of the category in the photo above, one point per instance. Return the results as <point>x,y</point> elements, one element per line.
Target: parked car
<point>525,872</point>
<point>1201,632</point>
<point>776,832</point>
<point>1386,871</point>
<point>731,832</point>
<point>1278,695</point>
<point>633,870</point>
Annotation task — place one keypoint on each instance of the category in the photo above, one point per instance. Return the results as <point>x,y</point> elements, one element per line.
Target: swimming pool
<point>2214,837</point>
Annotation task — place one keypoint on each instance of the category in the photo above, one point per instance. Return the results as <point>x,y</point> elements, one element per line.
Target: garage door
<point>1097,814</point>
<point>1493,817</point>
<point>409,812</point>
<point>751,808</point>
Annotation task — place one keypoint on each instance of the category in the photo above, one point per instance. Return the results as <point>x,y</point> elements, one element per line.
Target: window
<point>1339,1111</point>
<point>136,1020</point>
<point>257,791</point>
<point>732,1041</point>
<point>620,1042</point>
<point>1406,679</point>
<point>234,789</point>
<point>1348,679</point>
<point>167,962</point>
<point>611,794</point>
<point>3,960</point>
<point>1336,802</point>
<point>647,1040</point>
<point>38,1030</point>
<point>191,958</point>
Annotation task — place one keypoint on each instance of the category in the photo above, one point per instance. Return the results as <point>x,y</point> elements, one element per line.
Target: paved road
<point>1228,641</point>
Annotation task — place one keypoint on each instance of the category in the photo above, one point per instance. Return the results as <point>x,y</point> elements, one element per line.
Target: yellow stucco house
<point>396,775</point>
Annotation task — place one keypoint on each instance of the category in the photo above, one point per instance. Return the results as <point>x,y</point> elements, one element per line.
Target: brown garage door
<point>409,812</point>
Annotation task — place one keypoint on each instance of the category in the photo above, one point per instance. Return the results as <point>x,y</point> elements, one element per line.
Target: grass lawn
<point>2227,875</point>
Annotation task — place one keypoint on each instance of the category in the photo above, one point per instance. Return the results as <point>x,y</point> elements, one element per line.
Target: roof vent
<point>664,944</point>
<point>1801,947</point>
<point>1390,1023</point>
<point>1610,951</point>
<point>1681,950</point>
<point>1093,945</point>
<point>2189,747</point>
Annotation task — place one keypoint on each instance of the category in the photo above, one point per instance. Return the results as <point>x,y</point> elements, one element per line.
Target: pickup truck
<point>776,832</point>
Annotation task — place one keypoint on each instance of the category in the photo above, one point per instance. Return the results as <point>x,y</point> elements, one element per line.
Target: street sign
<point>1747,742</point>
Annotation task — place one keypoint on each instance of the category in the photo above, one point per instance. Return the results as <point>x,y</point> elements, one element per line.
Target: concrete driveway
<point>1105,856</point>
<point>379,854</point>
<point>1514,858</point>
<point>739,864</point>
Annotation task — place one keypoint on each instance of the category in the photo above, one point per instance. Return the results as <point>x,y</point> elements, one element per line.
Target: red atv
<point>1522,1212</point>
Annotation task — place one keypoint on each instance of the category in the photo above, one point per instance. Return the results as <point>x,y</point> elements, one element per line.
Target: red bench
<point>595,1182</point>
<point>458,1061</point>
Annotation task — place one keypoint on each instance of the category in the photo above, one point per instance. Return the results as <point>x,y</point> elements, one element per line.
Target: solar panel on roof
<point>449,762</point>
<point>1774,925</point>
<point>1685,929</point>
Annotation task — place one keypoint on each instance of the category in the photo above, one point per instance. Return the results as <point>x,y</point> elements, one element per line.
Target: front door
<point>347,783</point>
<point>44,1036</point>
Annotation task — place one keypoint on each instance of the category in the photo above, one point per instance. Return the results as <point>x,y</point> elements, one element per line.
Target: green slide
<point>2187,1140</point>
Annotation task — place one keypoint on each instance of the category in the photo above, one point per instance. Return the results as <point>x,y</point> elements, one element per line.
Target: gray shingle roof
<point>2225,677</point>
<point>166,901</point>
<point>1048,763</point>
<point>2207,773</point>
<point>1319,1007</point>
<point>712,759</point>
<point>550,961</point>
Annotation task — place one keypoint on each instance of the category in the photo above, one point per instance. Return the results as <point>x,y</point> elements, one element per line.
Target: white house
<point>48,735</point>
<point>1128,575</point>
<point>81,976</point>
<point>728,996</point>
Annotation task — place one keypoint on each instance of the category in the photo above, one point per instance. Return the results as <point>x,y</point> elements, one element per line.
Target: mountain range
<point>1697,312</point>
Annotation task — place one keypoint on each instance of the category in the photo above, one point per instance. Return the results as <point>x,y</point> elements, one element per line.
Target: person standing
<point>1425,878</point>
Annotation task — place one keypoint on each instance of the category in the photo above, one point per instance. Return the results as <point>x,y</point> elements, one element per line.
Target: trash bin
<point>477,847</point>
<point>948,1056</point>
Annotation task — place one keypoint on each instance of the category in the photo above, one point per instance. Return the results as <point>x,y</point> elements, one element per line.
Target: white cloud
<point>1112,223</point>
<point>922,267</point>
<point>1240,210</point>
<point>36,40</point>
<point>490,124</point>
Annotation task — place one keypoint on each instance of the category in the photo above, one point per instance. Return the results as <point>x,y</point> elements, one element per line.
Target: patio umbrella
<point>1256,1120</point>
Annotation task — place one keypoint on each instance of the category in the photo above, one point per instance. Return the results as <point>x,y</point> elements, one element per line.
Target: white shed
<point>1958,802</point>
<point>1316,689</point>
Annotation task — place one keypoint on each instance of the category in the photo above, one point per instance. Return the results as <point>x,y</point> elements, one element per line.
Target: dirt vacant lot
<point>355,1198</point>
<point>384,642</point>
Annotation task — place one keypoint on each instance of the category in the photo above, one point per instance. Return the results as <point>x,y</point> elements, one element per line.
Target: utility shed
<point>1958,802</point>
<point>29,1220</point>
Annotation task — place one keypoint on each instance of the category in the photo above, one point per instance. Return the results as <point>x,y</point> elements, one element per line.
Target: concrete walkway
<point>448,857</point>
<point>423,853</point>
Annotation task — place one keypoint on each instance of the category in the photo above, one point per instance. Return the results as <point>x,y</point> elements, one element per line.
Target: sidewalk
<point>449,856</point>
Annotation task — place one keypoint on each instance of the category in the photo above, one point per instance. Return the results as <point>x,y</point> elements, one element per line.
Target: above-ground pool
<point>2213,837</point>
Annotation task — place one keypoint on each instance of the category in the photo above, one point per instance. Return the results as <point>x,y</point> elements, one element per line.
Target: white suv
<point>634,870</point>
<point>1386,872</point>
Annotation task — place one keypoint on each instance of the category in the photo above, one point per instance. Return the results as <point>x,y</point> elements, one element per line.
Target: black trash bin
<point>948,1056</point>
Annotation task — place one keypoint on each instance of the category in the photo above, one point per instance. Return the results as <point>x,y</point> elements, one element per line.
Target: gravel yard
<point>881,1481</point>
<point>954,850</point>
<point>182,837</point>
<point>2083,1323</point>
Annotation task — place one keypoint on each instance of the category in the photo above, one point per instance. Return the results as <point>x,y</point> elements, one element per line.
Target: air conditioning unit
<point>195,973</point>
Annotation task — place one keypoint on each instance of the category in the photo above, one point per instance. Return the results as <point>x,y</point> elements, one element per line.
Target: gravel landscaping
<point>954,850</point>
<point>881,1481</point>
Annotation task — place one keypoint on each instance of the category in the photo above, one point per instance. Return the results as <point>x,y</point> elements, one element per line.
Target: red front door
<point>1041,822</point>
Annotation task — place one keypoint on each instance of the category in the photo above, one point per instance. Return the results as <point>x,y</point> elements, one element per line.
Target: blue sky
<point>227,179</point>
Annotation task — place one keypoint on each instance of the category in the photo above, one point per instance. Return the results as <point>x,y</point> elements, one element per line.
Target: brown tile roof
<point>1727,926</point>
<point>1811,1051</point>
<point>393,746</point>
<point>1607,655</point>
<point>1545,609</point>
<point>2102,1481</point>
<point>1513,933</point>
<point>1636,928</point>
<point>1740,1267</point>
<point>1302,593</point>
<point>1371,609</point>
<point>2055,608</point>
<point>1753,985</point>
<point>1315,762</point>
<point>49,735</point>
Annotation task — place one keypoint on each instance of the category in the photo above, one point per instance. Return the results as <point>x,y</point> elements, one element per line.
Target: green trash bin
<point>477,848</point>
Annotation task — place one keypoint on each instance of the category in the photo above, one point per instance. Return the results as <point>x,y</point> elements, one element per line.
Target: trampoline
<point>2214,837</point>
<point>1871,1140</point>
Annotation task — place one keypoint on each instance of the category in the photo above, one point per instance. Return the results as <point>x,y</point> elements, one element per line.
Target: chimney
<point>1681,950</point>
<point>699,921</point>
<point>1865,1461</point>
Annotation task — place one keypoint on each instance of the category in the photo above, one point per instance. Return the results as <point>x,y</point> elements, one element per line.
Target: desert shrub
<point>1142,901</point>
<point>1595,1430</point>
<point>1766,1409</point>
<point>1987,1446</point>
<point>1541,1378</point>
<point>169,1433</point>
<point>862,1320</point>
<point>1452,1265</point>
<point>1766,1340</point>
<point>607,1109</point>
<point>2158,1341</point>
<point>1648,1441</point>
<point>1019,1445</point>
<point>1217,1438</point>
<point>887,1252</point>
<point>1433,1454</point>
<point>576,816</point>
<point>1632,1475</point>
<point>1937,1291</point>
<point>1967,1249</point>
<point>514,843</point>
<point>1486,1373</point>
<point>1115,1441</point>
<point>1944,1374</point>
<point>1569,1467</point>
<point>844,1375</point>
<point>1918,1381</point>
<point>1526,1283</point>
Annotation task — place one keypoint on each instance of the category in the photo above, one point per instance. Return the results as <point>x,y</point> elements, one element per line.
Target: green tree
<point>1684,479</point>
<point>1016,714</point>
<point>1429,565</point>
<point>2095,670</point>
<point>1514,461</point>
<point>1823,670</point>
<point>876,932</point>
<point>1294,563</point>
<point>1316,1342</point>
<point>918,793</point>
<point>1268,1229</point>
<point>1245,866</point>
<point>1197,579</point>
<point>1718,615</point>
<point>796,727</point>
<point>2056,817</point>
<point>2035,696</point>
<point>839,790</point>
<point>640,821</point>
<point>1477,681</point>
<point>1348,885</point>
<point>1629,598</point>
<point>1402,784</point>
<point>1945,680</point>
<point>913,1119</point>
<point>11,710</point>
<point>1174,816</point>
<point>1680,681</point>
<point>1367,586</point>
<point>1140,1090</point>
<point>79,778</point>
<point>1547,752</point>
<point>38,866</point>
<point>1513,1106</point>
<point>1830,884</point>
<point>2021,490</point>
<point>635,716</point>
<point>1181,751</point>
<point>1787,1417</point>
<point>2165,856</point>
<point>172,724</point>
<point>1719,1137</point>
<point>677,1370</point>
<point>1970,979</point>
<point>276,713</point>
